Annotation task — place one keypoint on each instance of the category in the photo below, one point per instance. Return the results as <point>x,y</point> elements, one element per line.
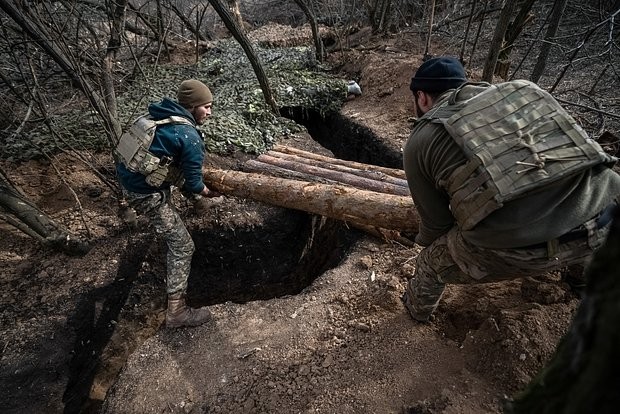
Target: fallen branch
<point>590,108</point>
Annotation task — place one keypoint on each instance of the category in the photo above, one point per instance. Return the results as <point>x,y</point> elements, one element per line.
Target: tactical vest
<point>133,151</point>
<point>516,138</point>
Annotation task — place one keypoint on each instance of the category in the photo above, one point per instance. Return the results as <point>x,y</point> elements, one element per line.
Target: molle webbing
<point>133,147</point>
<point>516,138</point>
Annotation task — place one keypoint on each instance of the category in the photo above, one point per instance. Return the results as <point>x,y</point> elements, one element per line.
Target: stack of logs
<point>372,198</point>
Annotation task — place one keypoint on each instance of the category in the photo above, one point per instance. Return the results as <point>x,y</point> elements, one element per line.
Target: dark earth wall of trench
<point>280,257</point>
<point>345,138</point>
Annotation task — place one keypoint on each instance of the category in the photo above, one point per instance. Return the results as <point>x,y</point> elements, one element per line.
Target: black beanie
<point>438,75</point>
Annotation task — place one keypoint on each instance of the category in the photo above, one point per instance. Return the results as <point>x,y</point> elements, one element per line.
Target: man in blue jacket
<point>179,147</point>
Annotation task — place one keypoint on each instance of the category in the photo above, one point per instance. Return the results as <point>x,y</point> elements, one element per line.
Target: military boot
<point>424,315</point>
<point>179,314</point>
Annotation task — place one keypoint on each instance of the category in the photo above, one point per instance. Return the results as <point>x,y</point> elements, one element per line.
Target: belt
<point>602,219</point>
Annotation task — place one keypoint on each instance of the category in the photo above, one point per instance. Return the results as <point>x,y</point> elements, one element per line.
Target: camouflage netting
<point>241,119</point>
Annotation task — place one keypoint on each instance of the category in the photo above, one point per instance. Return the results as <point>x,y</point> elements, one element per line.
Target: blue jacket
<point>182,143</point>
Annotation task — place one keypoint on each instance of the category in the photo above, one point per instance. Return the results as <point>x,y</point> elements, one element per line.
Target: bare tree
<point>379,14</point>
<point>36,27</point>
<point>514,30</point>
<point>241,37</point>
<point>498,39</point>
<point>318,42</point>
<point>235,11</point>
<point>545,48</point>
<point>50,35</point>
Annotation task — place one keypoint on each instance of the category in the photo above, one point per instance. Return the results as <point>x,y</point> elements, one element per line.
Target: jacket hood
<point>168,107</point>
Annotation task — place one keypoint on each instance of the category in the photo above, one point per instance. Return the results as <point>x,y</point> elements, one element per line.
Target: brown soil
<point>78,330</point>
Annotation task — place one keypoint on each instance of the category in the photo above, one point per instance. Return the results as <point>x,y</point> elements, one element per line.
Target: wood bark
<point>337,161</point>
<point>24,215</point>
<point>545,47</point>
<point>582,376</point>
<point>365,171</point>
<point>336,201</point>
<point>318,42</point>
<point>523,17</point>
<point>347,178</point>
<point>498,38</point>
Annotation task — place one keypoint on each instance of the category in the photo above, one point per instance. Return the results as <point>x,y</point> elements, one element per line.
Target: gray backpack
<point>133,150</point>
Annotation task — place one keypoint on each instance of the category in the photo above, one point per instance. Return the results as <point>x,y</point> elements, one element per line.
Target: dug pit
<point>245,251</point>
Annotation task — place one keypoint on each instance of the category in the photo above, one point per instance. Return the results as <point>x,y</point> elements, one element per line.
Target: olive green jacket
<point>430,156</point>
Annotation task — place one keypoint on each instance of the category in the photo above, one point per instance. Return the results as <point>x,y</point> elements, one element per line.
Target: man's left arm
<point>426,159</point>
<point>192,156</point>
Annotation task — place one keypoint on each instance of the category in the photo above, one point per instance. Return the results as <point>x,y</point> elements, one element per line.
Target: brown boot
<point>179,314</point>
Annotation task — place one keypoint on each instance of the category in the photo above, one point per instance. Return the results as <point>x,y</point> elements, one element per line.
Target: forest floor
<point>76,331</point>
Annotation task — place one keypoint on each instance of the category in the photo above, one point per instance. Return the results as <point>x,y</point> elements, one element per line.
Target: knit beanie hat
<point>193,93</point>
<point>438,75</point>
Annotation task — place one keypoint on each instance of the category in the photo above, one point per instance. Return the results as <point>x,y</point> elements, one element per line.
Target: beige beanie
<point>193,93</point>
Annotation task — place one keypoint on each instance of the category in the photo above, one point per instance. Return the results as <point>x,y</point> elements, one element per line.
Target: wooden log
<point>368,171</point>
<point>352,164</point>
<point>345,178</point>
<point>341,202</point>
<point>257,166</point>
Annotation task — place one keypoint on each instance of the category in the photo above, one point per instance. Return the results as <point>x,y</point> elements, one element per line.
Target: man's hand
<point>209,193</point>
<point>201,206</point>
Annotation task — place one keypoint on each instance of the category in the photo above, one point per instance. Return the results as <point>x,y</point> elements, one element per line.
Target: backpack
<point>517,138</point>
<point>133,150</point>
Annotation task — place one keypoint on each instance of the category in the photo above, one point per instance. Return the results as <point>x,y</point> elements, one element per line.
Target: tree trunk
<point>335,201</point>
<point>514,30</point>
<point>243,40</point>
<point>498,39</point>
<point>235,11</point>
<point>582,376</point>
<point>429,32</point>
<point>318,42</point>
<point>545,48</point>
<point>24,215</point>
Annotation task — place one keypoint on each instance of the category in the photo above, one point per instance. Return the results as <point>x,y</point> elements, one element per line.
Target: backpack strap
<point>174,119</point>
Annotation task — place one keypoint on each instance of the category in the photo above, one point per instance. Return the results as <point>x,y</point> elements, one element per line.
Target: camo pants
<point>451,259</point>
<point>164,217</point>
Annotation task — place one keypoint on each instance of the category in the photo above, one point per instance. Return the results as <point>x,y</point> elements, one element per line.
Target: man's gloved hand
<point>207,192</point>
<point>203,202</point>
<point>201,206</point>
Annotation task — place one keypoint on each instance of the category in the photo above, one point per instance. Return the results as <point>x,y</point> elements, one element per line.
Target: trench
<point>277,253</point>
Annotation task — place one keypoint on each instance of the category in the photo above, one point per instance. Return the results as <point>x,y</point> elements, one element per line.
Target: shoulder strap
<point>174,119</point>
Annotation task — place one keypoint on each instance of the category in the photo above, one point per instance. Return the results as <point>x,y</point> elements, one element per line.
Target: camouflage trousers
<point>167,222</point>
<point>451,259</point>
